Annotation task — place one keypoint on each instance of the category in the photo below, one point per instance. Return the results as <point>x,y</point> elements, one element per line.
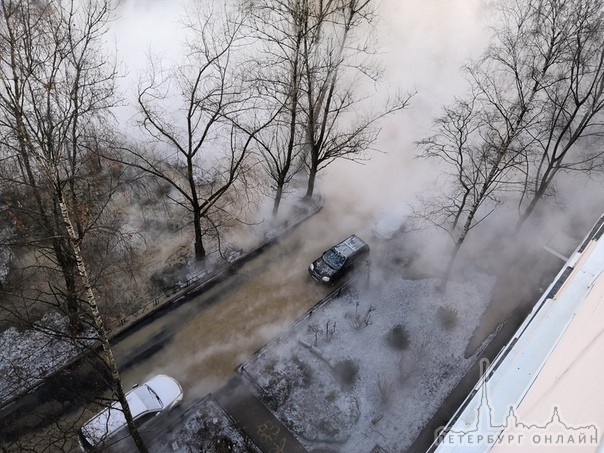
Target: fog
<point>423,44</point>
<point>422,47</point>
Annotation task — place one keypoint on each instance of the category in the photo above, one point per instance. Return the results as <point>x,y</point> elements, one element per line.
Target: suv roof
<point>349,245</point>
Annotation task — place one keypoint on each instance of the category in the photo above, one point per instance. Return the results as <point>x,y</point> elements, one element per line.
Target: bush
<point>398,337</point>
<point>447,317</point>
<point>223,445</point>
<point>346,371</point>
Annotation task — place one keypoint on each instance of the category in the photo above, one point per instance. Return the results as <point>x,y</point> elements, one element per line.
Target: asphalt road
<point>201,342</point>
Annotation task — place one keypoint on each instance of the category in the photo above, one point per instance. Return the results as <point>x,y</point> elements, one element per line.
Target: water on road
<point>202,341</point>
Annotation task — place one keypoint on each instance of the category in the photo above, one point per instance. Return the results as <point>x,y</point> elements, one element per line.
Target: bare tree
<point>204,128</point>
<point>56,90</point>
<point>319,50</point>
<point>507,85</point>
<point>52,92</point>
<point>281,155</point>
<point>333,57</point>
<point>565,138</point>
<point>277,75</point>
<point>478,167</point>
<point>452,143</point>
<point>100,326</point>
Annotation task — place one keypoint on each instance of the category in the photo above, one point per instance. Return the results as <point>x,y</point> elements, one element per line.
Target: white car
<point>392,222</point>
<point>159,394</point>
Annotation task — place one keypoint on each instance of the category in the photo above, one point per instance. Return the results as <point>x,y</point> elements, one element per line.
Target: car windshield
<point>334,259</point>
<point>152,392</point>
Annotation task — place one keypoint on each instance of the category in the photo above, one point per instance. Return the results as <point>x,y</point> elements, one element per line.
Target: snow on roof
<point>544,385</point>
<point>105,423</point>
<point>349,245</point>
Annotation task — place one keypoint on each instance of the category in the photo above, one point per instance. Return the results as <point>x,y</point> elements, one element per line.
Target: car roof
<point>349,245</point>
<point>111,419</point>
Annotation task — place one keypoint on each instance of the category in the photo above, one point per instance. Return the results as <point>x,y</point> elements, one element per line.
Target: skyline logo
<point>487,432</point>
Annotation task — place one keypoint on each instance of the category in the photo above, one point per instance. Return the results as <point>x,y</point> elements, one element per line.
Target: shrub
<point>346,371</point>
<point>331,396</point>
<point>447,317</point>
<point>278,394</point>
<point>398,337</point>
<point>169,279</point>
<point>223,445</point>
<point>326,333</point>
<point>362,319</point>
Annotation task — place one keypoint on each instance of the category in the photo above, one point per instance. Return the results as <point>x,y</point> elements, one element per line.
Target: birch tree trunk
<point>100,326</point>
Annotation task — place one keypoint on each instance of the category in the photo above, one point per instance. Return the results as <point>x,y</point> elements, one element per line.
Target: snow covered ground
<point>373,364</point>
<point>28,357</point>
<point>209,429</point>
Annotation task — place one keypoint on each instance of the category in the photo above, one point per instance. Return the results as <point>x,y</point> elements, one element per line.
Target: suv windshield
<point>334,259</point>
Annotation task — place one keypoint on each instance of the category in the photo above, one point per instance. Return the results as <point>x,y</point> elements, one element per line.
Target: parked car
<point>393,221</point>
<point>159,394</point>
<point>336,261</point>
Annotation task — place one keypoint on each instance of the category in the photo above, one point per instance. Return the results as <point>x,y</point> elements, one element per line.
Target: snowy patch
<point>209,429</point>
<point>372,365</point>
<point>26,358</point>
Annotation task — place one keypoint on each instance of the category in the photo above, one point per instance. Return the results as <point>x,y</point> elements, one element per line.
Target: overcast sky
<point>423,44</point>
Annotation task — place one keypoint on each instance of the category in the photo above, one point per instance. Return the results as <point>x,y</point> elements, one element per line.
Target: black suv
<point>338,259</point>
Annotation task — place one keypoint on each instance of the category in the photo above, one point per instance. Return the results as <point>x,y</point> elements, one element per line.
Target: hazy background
<point>423,43</point>
<point>423,46</point>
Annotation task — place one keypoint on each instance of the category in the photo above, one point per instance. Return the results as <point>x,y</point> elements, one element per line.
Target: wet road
<point>202,341</point>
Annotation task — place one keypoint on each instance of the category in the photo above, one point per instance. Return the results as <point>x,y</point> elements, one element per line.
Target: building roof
<point>544,387</point>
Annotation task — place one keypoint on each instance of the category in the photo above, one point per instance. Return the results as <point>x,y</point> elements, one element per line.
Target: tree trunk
<point>460,240</point>
<point>200,251</point>
<point>60,245</point>
<point>100,327</point>
<point>277,201</point>
<point>543,186</point>
<point>442,286</point>
<point>312,174</point>
<point>527,212</point>
<point>69,269</point>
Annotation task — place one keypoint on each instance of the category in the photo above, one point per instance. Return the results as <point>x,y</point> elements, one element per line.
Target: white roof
<point>544,388</point>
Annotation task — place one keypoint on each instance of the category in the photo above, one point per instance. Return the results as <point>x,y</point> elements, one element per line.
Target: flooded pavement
<point>201,341</point>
